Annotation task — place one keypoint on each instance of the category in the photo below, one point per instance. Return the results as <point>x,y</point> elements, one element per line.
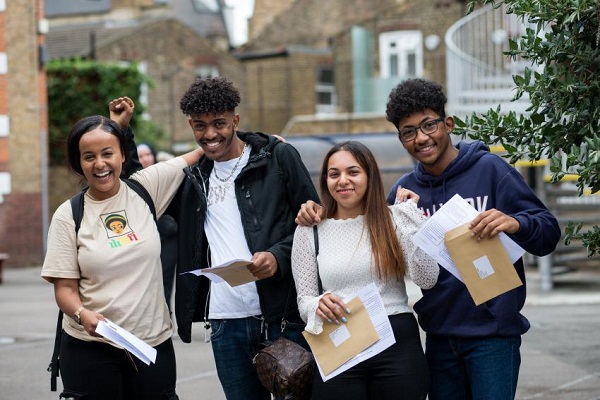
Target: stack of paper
<point>367,333</point>
<point>484,266</point>
<point>127,340</point>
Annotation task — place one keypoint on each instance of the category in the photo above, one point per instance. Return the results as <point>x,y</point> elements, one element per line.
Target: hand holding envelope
<point>484,265</point>
<point>366,333</point>
<point>339,343</point>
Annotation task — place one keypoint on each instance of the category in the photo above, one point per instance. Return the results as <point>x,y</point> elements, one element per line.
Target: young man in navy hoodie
<point>473,351</point>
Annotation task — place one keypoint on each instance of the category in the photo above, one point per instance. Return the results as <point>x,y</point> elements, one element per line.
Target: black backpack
<point>77,209</point>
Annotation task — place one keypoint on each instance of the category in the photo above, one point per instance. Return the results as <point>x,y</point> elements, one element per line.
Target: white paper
<point>371,298</point>
<point>484,267</point>
<point>457,211</point>
<point>340,335</point>
<point>127,340</point>
<point>209,272</point>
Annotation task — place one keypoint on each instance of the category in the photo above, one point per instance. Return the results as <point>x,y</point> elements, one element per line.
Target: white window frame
<point>4,125</point>
<point>325,87</point>
<point>401,44</point>
<point>204,71</point>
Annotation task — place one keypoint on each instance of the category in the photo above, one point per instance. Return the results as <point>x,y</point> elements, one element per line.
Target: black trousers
<point>99,371</point>
<point>398,372</point>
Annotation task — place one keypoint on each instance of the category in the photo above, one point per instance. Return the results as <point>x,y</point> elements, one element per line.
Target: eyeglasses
<point>427,127</point>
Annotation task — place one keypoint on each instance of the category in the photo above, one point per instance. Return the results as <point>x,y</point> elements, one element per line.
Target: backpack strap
<point>77,208</point>
<point>143,193</point>
<point>53,366</point>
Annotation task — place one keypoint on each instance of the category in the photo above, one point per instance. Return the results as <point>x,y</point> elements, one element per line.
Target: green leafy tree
<point>77,88</point>
<point>563,84</point>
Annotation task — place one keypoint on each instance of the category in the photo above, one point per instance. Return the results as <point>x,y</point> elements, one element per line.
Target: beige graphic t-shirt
<point>116,255</point>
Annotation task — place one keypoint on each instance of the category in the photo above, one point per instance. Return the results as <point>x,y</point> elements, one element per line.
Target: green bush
<point>78,88</point>
<point>564,117</point>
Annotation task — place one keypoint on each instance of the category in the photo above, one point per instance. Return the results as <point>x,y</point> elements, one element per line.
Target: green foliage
<point>148,131</point>
<point>78,88</point>
<point>563,84</point>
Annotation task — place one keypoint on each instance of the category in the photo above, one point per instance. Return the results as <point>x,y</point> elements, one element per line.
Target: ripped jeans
<point>99,371</point>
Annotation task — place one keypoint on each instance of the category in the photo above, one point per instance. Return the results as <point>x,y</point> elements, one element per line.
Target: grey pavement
<point>561,352</point>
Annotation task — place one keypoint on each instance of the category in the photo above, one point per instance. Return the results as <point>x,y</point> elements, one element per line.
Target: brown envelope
<point>483,265</point>
<point>234,274</point>
<point>362,335</point>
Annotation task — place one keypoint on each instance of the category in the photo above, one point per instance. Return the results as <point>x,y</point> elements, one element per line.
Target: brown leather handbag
<point>286,368</point>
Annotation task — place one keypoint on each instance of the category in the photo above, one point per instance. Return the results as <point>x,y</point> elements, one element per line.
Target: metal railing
<point>479,75</point>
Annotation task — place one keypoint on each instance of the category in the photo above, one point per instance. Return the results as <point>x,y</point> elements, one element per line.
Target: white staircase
<point>479,75</point>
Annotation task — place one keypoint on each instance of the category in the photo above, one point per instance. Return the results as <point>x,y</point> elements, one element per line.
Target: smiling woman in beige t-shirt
<point>111,268</point>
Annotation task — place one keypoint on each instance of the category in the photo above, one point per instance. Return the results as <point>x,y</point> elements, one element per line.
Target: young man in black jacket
<point>239,202</point>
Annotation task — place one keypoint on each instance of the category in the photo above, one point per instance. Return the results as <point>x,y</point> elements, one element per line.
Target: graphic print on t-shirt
<point>115,223</point>
<point>117,228</point>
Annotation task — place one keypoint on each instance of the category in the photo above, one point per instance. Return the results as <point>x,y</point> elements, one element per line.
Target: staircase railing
<point>479,75</point>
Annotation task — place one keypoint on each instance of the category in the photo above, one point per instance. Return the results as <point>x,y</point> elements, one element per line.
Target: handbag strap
<point>287,300</point>
<point>287,304</point>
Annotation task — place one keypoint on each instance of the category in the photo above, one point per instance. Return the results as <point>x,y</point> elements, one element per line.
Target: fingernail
<point>344,320</point>
<point>337,322</point>
<point>348,310</point>
<point>329,320</point>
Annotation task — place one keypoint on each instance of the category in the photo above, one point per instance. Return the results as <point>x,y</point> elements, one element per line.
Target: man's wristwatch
<point>77,315</point>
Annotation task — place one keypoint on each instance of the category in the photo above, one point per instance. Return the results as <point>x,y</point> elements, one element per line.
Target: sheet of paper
<point>455,212</point>
<point>233,272</point>
<point>373,304</point>
<point>127,340</point>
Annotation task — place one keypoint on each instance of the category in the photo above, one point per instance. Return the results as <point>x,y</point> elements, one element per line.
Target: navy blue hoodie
<point>486,181</point>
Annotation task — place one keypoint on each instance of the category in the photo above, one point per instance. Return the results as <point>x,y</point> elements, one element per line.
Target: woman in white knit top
<point>363,240</point>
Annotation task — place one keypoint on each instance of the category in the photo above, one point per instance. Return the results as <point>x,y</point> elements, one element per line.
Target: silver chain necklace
<point>234,167</point>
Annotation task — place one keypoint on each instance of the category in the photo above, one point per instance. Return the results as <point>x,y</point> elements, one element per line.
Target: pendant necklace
<point>234,167</point>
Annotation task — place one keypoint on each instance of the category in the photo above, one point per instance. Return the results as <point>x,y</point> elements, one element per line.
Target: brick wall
<point>265,11</point>
<point>21,229</point>
<point>432,17</point>
<point>21,213</point>
<point>314,22</point>
<point>338,123</point>
<point>171,51</point>
<point>281,87</point>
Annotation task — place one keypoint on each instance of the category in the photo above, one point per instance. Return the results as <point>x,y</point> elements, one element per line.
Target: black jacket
<point>269,190</point>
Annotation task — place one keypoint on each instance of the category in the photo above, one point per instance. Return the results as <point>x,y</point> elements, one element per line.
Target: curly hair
<point>211,95</point>
<point>414,95</point>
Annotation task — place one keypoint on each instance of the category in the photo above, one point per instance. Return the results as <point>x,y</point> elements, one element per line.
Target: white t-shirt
<point>116,255</point>
<point>225,234</point>
<point>346,262</point>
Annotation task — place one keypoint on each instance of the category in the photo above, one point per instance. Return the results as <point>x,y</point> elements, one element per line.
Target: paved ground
<point>561,353</point>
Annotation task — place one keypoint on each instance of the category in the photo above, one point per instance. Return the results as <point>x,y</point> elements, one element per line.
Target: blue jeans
<point>473,368</point>
<point>235,342</point>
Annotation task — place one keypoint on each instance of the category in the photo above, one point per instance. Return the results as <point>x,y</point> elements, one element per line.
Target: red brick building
<point>23,131</point>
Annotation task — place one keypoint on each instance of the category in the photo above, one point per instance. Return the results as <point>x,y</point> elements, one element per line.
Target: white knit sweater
<point>345,263</point>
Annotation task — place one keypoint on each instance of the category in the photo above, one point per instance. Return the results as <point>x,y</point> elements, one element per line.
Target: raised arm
<point>121,111</point>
